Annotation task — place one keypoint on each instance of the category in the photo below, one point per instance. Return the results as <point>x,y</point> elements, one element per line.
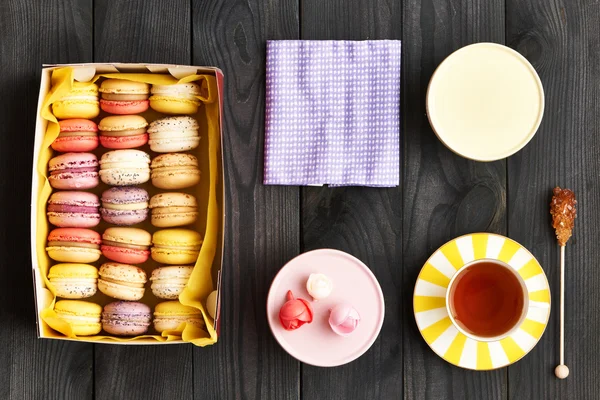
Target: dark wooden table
<point>391,230</point>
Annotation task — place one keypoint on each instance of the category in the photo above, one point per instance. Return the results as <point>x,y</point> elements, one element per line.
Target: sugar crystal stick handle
<point>563,209</point>
<point>562,371</point>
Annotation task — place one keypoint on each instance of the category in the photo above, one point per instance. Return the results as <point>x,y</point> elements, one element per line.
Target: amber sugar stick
<point>563,211</point>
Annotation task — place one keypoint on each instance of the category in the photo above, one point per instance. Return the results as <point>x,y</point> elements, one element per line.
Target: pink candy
<point>344,319</point>
<point>295,312</point>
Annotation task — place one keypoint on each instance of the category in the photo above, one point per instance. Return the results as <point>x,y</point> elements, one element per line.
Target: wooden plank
<point>32,33</point>
<point>143,372</point>
<point>365,222</point>
<point>561,41</point>
<point>143,31</point>
<point>351,20</point>
<point>262,221</point>
<point>444,195</point>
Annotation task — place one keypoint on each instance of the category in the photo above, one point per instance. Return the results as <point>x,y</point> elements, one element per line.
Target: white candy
<point>319,286</point>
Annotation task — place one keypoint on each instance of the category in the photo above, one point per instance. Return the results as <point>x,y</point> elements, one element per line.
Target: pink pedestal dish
<point>354,284</point>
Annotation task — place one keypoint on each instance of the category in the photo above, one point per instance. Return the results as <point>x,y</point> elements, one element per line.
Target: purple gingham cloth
<point>332,113</point>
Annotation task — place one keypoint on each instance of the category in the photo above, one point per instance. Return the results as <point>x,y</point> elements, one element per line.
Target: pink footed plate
<point>353,283</point>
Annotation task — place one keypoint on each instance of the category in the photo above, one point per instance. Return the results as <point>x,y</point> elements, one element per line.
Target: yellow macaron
<point>169,315</point>
<point>176,246</point>
<point>82,316</point>
<point>80,102</point>
<point>73,281</point>
<point>177,99</point>
<point>175,171</point>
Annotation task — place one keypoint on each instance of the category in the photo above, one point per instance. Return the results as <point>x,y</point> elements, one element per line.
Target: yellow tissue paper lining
<point>200,284</point>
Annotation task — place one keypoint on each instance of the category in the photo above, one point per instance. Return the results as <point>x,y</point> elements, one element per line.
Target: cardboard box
<point>85,73</point>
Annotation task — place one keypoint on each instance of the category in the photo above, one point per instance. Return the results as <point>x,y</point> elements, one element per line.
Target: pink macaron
<point>124,107</point>
<point>124,142</point>
<point>73,171</point>
<point>124,205</point>
<point>125,256</point>
<point>76,135</point>
<point>126,245</point>
<point>123,131</point>
<point>124,97</point>
<point>73,209</point>
<point>74,245</point>
<point>126,318</point>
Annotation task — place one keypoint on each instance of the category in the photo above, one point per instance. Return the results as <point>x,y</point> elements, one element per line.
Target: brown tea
<point>486,299</point>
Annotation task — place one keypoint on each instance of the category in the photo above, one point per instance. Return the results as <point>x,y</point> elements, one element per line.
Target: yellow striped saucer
<point>430,303</point>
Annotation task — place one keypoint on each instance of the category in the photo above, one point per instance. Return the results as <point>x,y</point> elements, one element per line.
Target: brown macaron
<point>173,209</point>
<point>175,171</point>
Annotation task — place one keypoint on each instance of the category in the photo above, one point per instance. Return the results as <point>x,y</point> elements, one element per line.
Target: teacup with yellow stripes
<point>435,324</point>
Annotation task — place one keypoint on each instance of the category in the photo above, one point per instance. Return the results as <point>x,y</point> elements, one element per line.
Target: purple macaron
<point>126,318</point>
<point>73,210</point>
<point>124,205</point>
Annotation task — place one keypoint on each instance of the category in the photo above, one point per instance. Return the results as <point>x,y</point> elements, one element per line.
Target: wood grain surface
<point>392,230</point>
<point>148,31</point>
<point>445,196</point>
<point>263,230</point>
<point>563,44</point>
<point>32,33</point>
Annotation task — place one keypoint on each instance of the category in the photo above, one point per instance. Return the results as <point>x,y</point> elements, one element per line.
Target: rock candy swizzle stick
<point>563,211</point>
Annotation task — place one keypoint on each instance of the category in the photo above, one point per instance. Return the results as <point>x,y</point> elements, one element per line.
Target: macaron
<point>175,171</point>
<point>120,96</point>
<point>73,171</point>
<point>173,209</point>
<point>211,303</point>
<point>80,102</point>
<point>173,134</point>
<point>76,135</point>
<point>126,318</point>
<point>125,167</point>
<point>75,245</point>
<point>73,209</point>
<point>126,245</point>
<point>124,205</point>
<point>176,246</point>
<point>73,281</point>
<point>82,316</point>
<point>123,131</point>
<point>169,282</point>
<point>169,315</point>
<point>180,98</point>
<point>122,281</point>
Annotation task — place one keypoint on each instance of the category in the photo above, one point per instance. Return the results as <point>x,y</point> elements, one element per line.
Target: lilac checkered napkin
<point>332,113</point>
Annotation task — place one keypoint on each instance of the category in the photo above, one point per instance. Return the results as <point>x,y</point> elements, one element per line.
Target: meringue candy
<point>295,312</point>
<point>319,286</point>
<point>343,319</point>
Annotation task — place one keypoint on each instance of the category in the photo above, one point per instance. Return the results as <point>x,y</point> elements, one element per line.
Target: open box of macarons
<point>127,203</point>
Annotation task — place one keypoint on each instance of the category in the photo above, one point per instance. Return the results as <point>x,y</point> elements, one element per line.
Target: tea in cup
<point>487,300</point>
